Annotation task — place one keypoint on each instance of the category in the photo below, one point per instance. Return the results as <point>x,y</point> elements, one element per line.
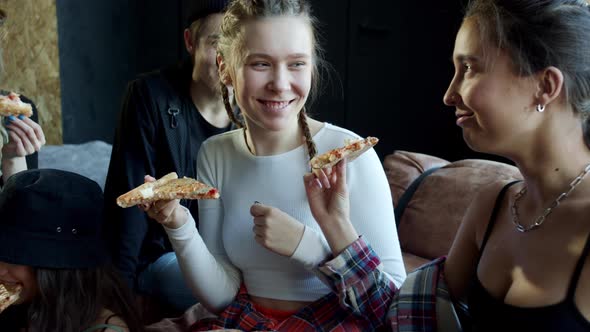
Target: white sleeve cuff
<point>184,232</point>
<point>312,249</point>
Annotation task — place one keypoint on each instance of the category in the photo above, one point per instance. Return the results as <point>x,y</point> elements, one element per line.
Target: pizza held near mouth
<point>168,187</point>
<point>350,151</point>
<point>9,294</point>
<point>11,104</point>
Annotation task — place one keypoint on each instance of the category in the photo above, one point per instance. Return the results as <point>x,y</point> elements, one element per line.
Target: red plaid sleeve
<point>363,288</point>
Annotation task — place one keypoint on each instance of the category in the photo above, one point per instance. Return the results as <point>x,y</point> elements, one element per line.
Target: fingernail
<point>22,117</point>
<point>318,183</point>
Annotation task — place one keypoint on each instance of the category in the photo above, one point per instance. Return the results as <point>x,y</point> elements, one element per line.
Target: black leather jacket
<point>159,131</point>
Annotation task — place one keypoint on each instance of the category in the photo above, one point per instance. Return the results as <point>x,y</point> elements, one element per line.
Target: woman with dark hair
<point>52,247</point>
<point>521,90</point>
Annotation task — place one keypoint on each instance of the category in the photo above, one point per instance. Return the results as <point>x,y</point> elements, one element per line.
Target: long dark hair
<point>542,33</point>
<point>72,300</point>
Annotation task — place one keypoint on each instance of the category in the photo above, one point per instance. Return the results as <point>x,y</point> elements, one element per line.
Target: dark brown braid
<point>311,148</point>
<point>228,108</point>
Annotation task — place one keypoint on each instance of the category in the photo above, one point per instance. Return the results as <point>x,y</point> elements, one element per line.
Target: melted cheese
<point>147,192</point>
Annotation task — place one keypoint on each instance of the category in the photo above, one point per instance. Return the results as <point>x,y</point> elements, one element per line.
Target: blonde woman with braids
<point>253,263</point>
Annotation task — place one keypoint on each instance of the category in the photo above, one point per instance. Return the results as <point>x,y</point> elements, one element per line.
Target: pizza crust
<point>13,105</point>
<point>350,151</point>
<point>9,294</point>
<point>167,187</point>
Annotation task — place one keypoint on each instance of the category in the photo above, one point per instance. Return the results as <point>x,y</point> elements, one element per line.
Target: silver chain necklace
<point>541,219</point>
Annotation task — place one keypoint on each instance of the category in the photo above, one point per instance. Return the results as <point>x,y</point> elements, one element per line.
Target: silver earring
<point>540,108</point>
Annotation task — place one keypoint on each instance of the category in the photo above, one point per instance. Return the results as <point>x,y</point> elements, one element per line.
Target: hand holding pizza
<point>166,212</point>
<point>330,205</point>
<point>275,230</point>
<point>25,137</point>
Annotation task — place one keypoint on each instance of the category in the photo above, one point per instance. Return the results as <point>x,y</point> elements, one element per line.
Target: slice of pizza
<point>350,151</point>
<point>9,294</point>
<point>143,193</point>
<point>166,188</point>
<point>13,105</point>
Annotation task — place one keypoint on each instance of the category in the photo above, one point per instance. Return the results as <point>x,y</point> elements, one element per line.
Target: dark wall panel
<point>102,45</point>
<point>423,123</point>
<point>374,85</point>
<point>333,29</point>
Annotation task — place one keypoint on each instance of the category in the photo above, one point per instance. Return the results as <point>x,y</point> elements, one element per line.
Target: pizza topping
<point>9,294</point>
<point>11,104</point>
<point>354,146</point>
<point>147,192</point>
<point>351,150</point>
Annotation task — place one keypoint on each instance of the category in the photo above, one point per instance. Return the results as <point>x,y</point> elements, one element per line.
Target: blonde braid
<point>311,148</point>
<point>228,108</point>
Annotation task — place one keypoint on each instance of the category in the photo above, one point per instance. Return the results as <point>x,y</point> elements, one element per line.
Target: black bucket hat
<point>197,9</point>
<point>52,219</point>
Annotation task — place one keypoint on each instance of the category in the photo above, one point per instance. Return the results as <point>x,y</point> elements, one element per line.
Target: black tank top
<point>491,314</point>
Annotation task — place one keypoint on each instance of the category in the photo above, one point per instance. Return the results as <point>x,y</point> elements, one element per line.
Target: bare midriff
<point>282,305</point>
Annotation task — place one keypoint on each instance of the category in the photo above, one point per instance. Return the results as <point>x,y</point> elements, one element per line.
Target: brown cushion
<point>412,262</point>
<point>432,217</point>
<point>402,167</point>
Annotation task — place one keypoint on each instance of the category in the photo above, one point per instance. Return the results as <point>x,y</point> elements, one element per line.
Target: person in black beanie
<point>165,117</point>
<point>52,246</point>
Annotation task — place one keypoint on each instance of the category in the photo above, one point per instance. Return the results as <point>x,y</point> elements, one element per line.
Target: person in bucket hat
<point>52,247</point>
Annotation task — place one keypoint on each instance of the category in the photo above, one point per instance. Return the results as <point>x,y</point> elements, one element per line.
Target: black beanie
<point>197,9</point>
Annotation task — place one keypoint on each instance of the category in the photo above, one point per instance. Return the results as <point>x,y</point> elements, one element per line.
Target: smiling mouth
<point>9,283</point>
<point>463,117</point>
<point>275,105</point>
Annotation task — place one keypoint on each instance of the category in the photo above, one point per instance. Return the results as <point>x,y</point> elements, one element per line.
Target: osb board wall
<point>31,59</point>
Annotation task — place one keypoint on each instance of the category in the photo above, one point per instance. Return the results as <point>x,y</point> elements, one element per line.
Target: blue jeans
<point>163,280</point>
